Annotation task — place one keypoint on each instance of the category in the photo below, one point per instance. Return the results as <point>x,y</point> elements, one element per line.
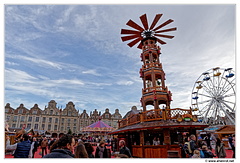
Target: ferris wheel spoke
<point>229,95</point>
<point>231,87</point>
<point>229,106</point>
<point>212,81</point>
<point>223,77</point>
<point>209,107</point>
<point>202,102</point>
<point>229,102</point>
<point>204,95</point>
<point>207,90</point>
<point>229,117</point>
<point>230,83</point>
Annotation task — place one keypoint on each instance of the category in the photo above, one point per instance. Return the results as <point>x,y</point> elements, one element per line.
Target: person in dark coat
<point>23,148</point>
<point>207,153</point>
<point>220,149</point>
<point>34,147</point>
<point>62,148</point>
<point>123,149</point>
<point>101,151</point>
<point>208,141</point>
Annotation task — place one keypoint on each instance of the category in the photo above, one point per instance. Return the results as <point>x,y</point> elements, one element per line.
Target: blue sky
<point>75,53</point>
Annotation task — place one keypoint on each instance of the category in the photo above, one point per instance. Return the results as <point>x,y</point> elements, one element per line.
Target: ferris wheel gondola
<point>214,96</point>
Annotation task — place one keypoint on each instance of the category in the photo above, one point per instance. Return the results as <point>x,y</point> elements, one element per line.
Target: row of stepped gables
<point>55,120</point>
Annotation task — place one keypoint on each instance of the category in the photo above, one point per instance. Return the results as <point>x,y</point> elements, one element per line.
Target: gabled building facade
<point>54,120</point>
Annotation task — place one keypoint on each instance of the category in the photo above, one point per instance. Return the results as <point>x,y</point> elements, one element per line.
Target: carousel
<point>156,130</point>
<point>98,128</point>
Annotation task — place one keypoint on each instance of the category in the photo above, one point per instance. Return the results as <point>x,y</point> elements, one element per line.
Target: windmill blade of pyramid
<point>156,19</point>
<point>127,31</point>
<point>139,45</point>
<point>144,21</point>
<point>131,44</point>
<point>166,30</point>
<point>161,41</point>
<point>163,24</point>
<point>134,25</point>
<point>125,38</point>
<point>165,36</point>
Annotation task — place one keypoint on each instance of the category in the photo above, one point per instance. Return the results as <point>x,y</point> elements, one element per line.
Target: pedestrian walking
<point>44,145</point>
<point>34,147</point>
<point>62,148</point>
<point>101,150</point>
<point>123,149</point>
<point>219,149</point>
<point>23,148</point>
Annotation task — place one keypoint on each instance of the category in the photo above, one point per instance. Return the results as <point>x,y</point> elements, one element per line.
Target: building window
<point>36,126</point>
<point>74,129</point>
<point>62,120</point>
<point>61,128</point>
<point>8,118</point>
<point>50,120</point>
<point>55,127</point>
<point>51,112</point>
<point>69,120</point>
<point>15,119</point>
<point>68,128</point>
<point>37,119</point>
<point>22,118</point>
<point>43,126</point>
<point>75,120</point>
<point>34,112</point>
<point>49,127</point>
<point>44,119</point>
<point>29,119</point>
<point>20,111</point>
<point>56,120</point>
<point>69,113</point>
<point>6,110</point>
<point>29,125</point>
<point>13,125</point>
<point>106,115</point>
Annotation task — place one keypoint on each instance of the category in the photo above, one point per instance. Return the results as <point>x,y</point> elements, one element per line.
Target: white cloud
<point>15,76</point>
<point>92,72</point>
<point>124,82</point>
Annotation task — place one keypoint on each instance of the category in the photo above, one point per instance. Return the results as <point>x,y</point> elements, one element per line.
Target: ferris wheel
<point>214,96</point>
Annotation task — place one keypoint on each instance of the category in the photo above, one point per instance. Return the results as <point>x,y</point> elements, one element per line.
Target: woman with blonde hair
<point>196,154</point>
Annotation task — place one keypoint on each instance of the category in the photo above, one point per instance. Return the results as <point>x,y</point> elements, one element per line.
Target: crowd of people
<point>68,146</point>
<point>65,147</point>
<point>202,148</point>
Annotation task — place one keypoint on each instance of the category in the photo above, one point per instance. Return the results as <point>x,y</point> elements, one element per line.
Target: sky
<point>75,53</point>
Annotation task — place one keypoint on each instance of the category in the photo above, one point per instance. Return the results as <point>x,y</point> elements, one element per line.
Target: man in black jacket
<point>123,149</point>
<point>62,148</point>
